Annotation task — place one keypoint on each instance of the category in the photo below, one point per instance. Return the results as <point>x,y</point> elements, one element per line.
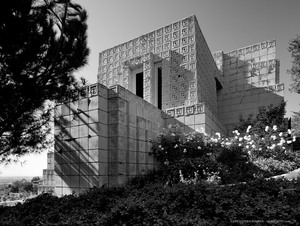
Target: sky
<point>225,24</point>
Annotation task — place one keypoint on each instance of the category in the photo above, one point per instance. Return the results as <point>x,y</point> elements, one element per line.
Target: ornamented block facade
<point>167,76</point>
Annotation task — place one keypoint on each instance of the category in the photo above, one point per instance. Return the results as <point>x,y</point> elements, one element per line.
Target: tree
<point>294,49</point>
<point>267,116</point>
<point>21,186</point>
<point>35,179</point>
<point>42,43</point>
<point>296,123</point>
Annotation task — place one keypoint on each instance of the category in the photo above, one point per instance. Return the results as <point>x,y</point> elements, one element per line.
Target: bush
<point>192,158</point>
<point>154,204</point>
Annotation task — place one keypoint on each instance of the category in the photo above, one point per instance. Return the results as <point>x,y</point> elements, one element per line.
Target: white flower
<point>289,131</point>
<point>280,134</point>
<point>267,128</point>
<point>199,147</point>
<point>247,146</point>
<point>289,142</point>
<point>218,134</point>
<point>273,137</point>
<point>253,146</point>
<point>248,129</point>
<point>274,127</point>
<point>294,138</point>
<point>175,146</point>
<point>241,139</point>
<point>184,151</point>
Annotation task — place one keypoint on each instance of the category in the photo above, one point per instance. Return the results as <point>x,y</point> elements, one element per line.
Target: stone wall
<point>101,140</point>
<point>250,80</point>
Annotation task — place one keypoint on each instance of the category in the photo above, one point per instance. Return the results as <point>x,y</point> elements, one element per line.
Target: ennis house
<point>167,76</point>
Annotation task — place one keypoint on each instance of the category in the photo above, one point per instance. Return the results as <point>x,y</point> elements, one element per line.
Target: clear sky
<point>226,25</point>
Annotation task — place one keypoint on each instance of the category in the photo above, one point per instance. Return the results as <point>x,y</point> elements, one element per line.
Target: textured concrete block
<point>132,144</point>
<point>122,169</point>
<point>132,156</point>
<point>141,146</point>
<point>58,191</point>
<point>83,131</point>
<point>132,132</point>
<point>189,120</point>
<point>103,104</point>
<point>112,155</point>
<point>122,156</point>
<point>74,181</point>
<point>84,182</point>
<point>74,169</point>
<point>103,155</point>
<point>103,143</point>
<point>74,132</point>
<point>113,169</point>
<point>81,144</point>
<point>103,169</point>
<point>113,181</point>
<point>132,169</point>
<point>132,120</point>
<point>94,169</point>
<point>142,157</point>
<point>84,168</point>
<point>141,133</point>
<point>93,116</point>
<point>103,181</point>
<point>103,117</point>
<point>93,155</point>
<point>142,169</point>
<point>83,104</point>
<point>94,142</point>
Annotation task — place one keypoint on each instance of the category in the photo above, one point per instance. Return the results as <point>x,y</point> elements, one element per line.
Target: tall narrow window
<point>159,88</point>
<point>140,84</point>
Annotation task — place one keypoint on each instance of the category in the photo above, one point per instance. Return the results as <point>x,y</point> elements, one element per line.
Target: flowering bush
<point>269,151</point>
<point>195,157</point>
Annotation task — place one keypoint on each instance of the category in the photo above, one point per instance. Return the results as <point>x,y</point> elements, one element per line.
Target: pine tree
<point>42,43</point>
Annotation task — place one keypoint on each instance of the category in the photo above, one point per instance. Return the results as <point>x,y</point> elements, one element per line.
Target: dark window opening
<point>159,88</point>
<point>140,85</point>
<point>218,84</point>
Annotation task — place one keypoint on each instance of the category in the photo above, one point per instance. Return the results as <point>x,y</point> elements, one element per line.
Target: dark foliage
<point>42,42</point>
<point>267,116</point>
<point>146,202</point>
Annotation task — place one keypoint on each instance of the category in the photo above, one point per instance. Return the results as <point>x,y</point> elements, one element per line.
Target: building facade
<point>167,76</point>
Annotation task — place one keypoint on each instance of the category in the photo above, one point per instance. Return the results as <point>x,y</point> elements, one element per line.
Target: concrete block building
<point>167,76</point>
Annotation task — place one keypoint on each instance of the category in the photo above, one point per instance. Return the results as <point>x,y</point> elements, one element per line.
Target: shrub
<point>195,157</point>
<point>154,204</point>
